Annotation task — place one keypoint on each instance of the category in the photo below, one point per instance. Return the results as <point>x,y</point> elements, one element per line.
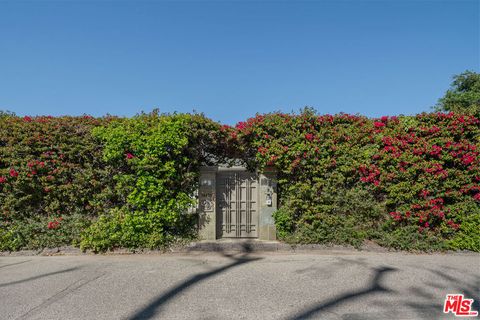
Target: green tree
<point>463,95</point>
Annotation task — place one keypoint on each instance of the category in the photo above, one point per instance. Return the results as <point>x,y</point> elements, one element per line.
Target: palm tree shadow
<point>155,306</point>
<point>374,287</point>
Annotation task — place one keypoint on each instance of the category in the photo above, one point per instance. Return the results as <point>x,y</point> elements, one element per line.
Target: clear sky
<point>232,59</point>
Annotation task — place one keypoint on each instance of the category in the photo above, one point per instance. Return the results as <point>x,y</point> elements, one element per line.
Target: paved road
<point>316,285</point>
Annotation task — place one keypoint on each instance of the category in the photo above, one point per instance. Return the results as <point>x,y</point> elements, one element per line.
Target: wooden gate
<point>237,205</point>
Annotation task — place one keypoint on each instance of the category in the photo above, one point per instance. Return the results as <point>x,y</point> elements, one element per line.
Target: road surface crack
<point>59,295</point>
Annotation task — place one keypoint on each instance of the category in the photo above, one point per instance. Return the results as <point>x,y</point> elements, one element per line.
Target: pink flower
<point>378,124</point>
<point>13,173</point>
<point>129,155</point>
<point>477,197</point>
<point>27,119</point>
<point>3,179</point>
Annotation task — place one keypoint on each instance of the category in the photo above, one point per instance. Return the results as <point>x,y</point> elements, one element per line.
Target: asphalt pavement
<point>308,285</point>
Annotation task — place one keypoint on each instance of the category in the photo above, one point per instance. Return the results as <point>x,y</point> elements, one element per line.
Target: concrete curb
<point>229,245</point>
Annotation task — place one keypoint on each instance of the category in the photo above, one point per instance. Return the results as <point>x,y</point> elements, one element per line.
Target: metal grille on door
<point>237,195</point>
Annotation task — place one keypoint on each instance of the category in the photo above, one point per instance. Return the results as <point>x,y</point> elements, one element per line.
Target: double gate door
<point>237,205</point>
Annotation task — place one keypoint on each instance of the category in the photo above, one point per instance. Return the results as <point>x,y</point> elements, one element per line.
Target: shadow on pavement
<point>374,287</point>
<point>470,290</point>
<point>420,299</point>
<point>14,264</point>
<point>154,307</point>
<point>37,277</point>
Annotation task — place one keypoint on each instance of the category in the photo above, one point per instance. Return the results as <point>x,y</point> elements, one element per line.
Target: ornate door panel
<point>237,205</point>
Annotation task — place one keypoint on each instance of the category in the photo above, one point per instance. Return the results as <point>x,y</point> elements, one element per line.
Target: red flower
<point>13,173</point>
<point>272,160</point>
<point>418,151</point>
<point>437,201</point>
<point>477,197</point>
<point>241,125</point>
<point>27,119</point>
<point>396,216</point>
<point>387,141</point>
<point>53,225</point>
<point>129,155</point>
<point>378,124</point>
<point>309,136</point>
<point>467,159</point>
<point>3,179</point>
<point>453,224</point>
<point>424,193</point>
<point>436,150</point>
<point>224,128</point>
<point>262,150</point>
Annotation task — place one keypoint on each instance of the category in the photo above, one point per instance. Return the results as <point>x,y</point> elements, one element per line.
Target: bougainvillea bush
<point>53,181</point>
<point>405,182</point>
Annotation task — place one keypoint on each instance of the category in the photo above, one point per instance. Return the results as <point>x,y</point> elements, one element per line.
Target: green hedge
<point>157,158</point>
<point>409,182</point>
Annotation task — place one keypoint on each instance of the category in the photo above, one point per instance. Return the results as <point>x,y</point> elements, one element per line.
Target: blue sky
<point>232,59</point>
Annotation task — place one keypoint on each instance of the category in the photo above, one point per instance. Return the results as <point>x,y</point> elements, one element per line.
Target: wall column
<point>207,204</point>
<point>267,204</point>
